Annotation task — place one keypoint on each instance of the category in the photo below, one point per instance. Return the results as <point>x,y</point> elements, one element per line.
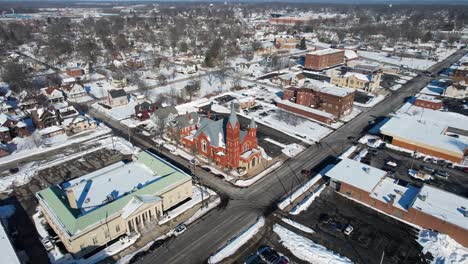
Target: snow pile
<point>234,244</point>
<point>348,152</point>
<point>298,226</point>
<point>288,200</point>
<point>293,150</point>
<point>371,141</point>
<point>304,204</point>
<point>442,247</point>
<point>246,183</point>
<point>306,249</point>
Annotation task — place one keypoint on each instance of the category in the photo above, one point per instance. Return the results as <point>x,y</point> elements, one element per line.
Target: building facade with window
<point>123,198</point>
<point>225,143</point>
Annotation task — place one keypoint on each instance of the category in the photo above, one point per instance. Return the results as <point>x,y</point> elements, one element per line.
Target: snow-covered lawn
<point>234,244</point>
<point>290,150</point>
<point>442,247</point>
<point>306,249</point>
<point>304,204</point>
<point>298,226</point>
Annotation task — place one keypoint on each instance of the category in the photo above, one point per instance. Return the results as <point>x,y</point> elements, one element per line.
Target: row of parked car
<point>266,255</point>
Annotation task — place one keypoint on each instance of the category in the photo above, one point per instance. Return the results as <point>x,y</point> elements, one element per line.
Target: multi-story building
<point>225,143</point>
<point>322,59</point>
<point>357,80</point>
<point>123,198</point>
<point>427,207</point>
<point>322,96</point>
<point>428,101</point>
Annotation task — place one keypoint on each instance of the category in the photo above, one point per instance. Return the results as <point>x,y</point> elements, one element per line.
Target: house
<point>73,90</point>
<point>123,198</point>
<point>223,142</point>
<point>321,59</point>
<point>186,123</point>
<point>44,117</point>
<point>428,101</point>
<point>27,101</point>
<point>11,128</point>
<point>51,131</point>
<point>428,207</point>
<point>457,90</point>
<point>144,110</point>
<point>164,114</point>
<point>355,80</point>
<point>53,94</point>
<point>288,79</point>
<point>286,43</point>
<point>78,124</point>
<point>117,97</point>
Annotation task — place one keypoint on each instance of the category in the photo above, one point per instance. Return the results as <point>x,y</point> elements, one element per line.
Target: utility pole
<point>383,254</point>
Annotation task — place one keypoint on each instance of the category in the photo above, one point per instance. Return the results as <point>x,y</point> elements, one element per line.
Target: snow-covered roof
<point>324,51</point>
<point>49,130</point>
<point>427,127</point>
<point>428,98</point>
<point>357,174</point>
<point>328,88</point>
<point>6,248</point>
<point>350,54</point>
<point>402,196</point>
<point>443,205</point>
<point>109,183</point>
<point>358,76</point>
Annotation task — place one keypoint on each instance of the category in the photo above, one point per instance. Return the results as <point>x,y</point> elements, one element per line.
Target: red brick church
<point>223,142</point>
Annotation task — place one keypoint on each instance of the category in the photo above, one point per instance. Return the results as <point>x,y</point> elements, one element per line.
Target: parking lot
<point>456,182</point>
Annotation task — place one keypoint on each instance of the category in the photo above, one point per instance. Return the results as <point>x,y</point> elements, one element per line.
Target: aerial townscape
<point>198,131</point>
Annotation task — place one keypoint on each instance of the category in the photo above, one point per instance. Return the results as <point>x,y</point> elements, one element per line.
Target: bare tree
<point>162,79</point>
<point>210,78</point>
<point>222,75</point>
<point>192,88</point>
<point>160,125</point>
<point>15,75</point>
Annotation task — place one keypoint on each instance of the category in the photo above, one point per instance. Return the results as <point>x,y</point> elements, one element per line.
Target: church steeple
<point>233,117</point>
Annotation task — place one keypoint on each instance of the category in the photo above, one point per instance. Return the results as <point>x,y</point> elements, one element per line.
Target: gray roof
<point>187,119</point>
<point>117,93</point>
<point>214,130</point>
<point>165,112</point>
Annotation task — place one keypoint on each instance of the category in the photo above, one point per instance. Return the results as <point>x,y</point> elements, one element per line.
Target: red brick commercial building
<point>288,21</point>
<point>327,98</point>
<point>306,111</point>
<point>322,59</point>
<point>428,207</point>
<point>428,101</point>
<point>223,142</point>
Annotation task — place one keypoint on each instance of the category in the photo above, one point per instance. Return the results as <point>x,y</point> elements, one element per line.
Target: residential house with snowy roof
<point>73,90</point>
<point>428,207</point>
<point>11,128</point>
<point>223,142</point>
<point>117,97</point>
<point>144,110</point>
<point>53,94</point>
<point>44,117</point>
<point>356,80</point>
<point>123,198</point>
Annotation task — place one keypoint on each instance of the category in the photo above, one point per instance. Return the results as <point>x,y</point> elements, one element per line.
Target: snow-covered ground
<point>234,244</point>
<point>304,204</point>
<point>26,172</point>
<point>301,190</point>
<point>442,247</point>
<point>306,249</point>
<point>371,141</point>
<point>298,226</point>
<point>290,150</point>
<point>118,113</point>
<point>417,64</point>
<point>33,145</point>
<point>372,102</point>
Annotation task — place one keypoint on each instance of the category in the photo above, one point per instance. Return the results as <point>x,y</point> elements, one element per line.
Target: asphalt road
<point>213,230</point>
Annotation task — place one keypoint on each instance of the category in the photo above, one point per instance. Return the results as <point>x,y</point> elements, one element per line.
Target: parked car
<point>138,256</point>
<point>156,244</point>
<point>254,259</point>
<point>427,168</point>
<point>179,229</point>
<point>47,244</point>
<point>194,162</point>
<point>442,174</point>
<point>348,230</point>
<point>268,254</point>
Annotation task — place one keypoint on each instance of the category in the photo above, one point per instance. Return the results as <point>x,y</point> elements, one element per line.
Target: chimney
<point>71,199</point>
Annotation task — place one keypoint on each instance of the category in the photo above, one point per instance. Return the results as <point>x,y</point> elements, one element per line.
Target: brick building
<point>225,143</point>
<point>322,59</point>
<point>428,101</point>
<point>324,97</point>
<point>288,21</point>
<point>428,207</point>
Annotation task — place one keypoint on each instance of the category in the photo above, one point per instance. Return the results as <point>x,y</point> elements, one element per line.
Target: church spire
<point>233,117</point>
<point>252,123</point>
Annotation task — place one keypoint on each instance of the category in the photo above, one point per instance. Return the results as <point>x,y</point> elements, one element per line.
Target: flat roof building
<point>89,211</point>
<point>428,207</point>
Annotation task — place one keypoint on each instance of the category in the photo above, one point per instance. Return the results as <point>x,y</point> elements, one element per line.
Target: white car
<point>180,228</point>
<point>47,244</point>
<point>348,230</point>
